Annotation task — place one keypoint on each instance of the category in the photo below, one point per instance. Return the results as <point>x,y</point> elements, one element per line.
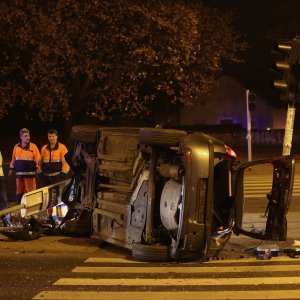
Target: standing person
<point>25,163</point>
<point>3,197</point>
<point>54,167</point>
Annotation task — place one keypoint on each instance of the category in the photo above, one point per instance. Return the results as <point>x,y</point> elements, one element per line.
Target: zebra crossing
<point>257,186</point>
<point>123,279</point>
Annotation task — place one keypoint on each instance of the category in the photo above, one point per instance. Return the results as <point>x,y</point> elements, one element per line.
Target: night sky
<point>263,23</point>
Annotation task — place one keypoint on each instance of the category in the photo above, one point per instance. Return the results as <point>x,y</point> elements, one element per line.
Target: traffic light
<point>289,67</point>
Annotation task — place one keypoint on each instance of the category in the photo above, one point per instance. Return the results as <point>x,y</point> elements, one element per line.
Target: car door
<point>278,198</point>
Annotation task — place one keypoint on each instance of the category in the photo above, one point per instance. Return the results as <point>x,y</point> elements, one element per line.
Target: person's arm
<point>65,166</point>
<point>37,157</point>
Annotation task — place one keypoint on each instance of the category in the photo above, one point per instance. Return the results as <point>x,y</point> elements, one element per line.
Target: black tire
<point>84,133</point>
<point>77,228</point>
<point>120,130</point>
<point>102,244</point>
<point>161,137</point>
<point>150,253</point>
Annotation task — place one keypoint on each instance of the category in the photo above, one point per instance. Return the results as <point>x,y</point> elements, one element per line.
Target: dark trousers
<point>48,180</point>
<point>3,198</point>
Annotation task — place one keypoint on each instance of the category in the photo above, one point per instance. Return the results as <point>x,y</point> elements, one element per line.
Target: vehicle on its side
<point>164,193</point>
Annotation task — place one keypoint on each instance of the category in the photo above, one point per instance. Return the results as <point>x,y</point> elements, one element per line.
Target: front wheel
<point>150,253</point>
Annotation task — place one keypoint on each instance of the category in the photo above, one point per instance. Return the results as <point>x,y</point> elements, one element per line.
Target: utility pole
<point>289,126</point>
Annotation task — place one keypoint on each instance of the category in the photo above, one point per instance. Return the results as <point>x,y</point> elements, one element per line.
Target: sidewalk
<point>261,152</point>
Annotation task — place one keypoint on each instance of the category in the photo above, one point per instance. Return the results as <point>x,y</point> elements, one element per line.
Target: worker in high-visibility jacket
<point>54,168</point>
<point>25,164</point>
<point>3,197</point>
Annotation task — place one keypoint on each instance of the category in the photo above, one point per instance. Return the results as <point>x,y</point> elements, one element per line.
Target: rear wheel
<point>84,133</point>
<point>77,228</point>
<point>150,253</point>
<point>161,137</point>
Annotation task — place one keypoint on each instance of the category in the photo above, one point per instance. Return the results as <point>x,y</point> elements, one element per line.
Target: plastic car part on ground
<point>28,229</point>
<point>25,232</point>
<point>292,252</point>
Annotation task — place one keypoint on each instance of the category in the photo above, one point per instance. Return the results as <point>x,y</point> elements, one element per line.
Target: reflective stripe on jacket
<point>53,159</point>
<point>1,168</point>
<point>25,160</point>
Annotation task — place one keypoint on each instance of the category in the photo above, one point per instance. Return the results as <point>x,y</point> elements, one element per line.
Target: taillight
<point>230,152</point>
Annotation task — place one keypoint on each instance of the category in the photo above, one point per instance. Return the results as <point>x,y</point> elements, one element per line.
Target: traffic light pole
<point>249,134</point>
<point>289,86</point>
<point>289,127</point>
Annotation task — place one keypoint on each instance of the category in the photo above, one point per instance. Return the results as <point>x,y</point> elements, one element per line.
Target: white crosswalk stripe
<point>123,279</point>
<point>257,186</point>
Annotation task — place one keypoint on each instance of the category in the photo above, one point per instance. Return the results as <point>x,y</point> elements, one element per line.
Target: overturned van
<point>165,194</point>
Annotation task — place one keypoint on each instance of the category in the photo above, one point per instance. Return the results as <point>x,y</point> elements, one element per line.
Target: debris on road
<point>292,252</point>
<point>268,251</point>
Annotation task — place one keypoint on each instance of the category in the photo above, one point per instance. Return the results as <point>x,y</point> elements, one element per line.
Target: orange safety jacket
<point>25,161</point>
<point>53,160</point>
<point>1,168</point>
